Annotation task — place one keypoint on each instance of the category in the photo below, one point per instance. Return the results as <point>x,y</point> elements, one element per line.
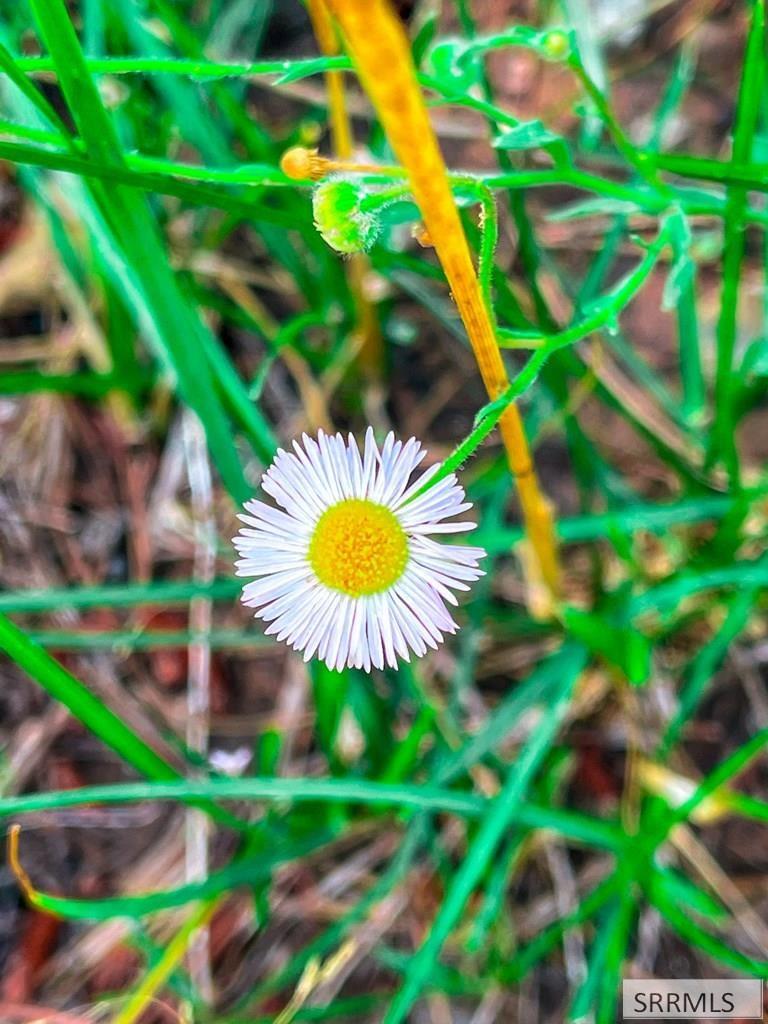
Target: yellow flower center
<point>358,547</point>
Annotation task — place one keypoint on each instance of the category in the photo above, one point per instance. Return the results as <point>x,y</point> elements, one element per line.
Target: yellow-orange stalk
<point>379,48</point>
<point>371,352</point>
<point>325,34</point>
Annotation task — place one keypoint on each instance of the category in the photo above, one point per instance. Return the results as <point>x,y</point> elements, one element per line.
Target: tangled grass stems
<point>382,55</point>
<point>371,355</point>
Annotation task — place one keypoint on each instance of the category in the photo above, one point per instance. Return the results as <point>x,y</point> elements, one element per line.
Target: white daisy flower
<point>346,569</point>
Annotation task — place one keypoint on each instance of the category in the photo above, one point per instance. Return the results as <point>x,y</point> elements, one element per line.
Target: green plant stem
<point>691,371</point>
<point>669,594</point>
<point>248,871</point>
<point>161,971</point>
<point>402,796</point>
<point>66,688</point>
<point>726,385</point>
<point>69,691</point>
<point>489,223</point>
<point>119,595</point>
<point>86,385</point>
<point>750,175</point>
<point>195,69</point>
<point>705,664</point>
<point>731,766</point>
<point>549,937</point>
<point>609,307</point>
<point>630,152</point>
<point>166,183</point>
<point>127,640</point>
<point>490,415</point>
<point>168,177</point>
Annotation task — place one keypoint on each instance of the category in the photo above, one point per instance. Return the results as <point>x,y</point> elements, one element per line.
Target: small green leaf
<point>681,890</point>
<point>593,207</point>
<point>424,37</point>
<point>452,63</point>
<point>296,70</point>
<point>527,135</point>
<point>682,269</point>
<point>623,647</point>
<point>755,361</point>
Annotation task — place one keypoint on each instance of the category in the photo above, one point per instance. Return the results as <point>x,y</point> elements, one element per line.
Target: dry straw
<point>380,50</point>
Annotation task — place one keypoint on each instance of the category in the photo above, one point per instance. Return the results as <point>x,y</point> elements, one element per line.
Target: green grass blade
<point>697,937</point>
<point>92,712</point>
<point>401,795</point>
<point>131,240</point>
<point>119,595</point>
<point>726,385</point>
<point>705,664</point>
<point>497,819</point>
<point>247,872</point>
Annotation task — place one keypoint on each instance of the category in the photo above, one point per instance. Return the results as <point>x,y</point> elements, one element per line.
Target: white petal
<point>425,607</point>
<point>297,632</point>
<point>355,466</point>
<point>419,483</point>
<point>356,657</point>
<point>462,553</point>
<point>396,634</point>
<point>373,633</point>
<point>410,628</point>
<point>261,564</point>
<point>317,637</point>
<point>269,519</point>
<point>383,621</point>
<point>400,473</point>
<point>370,462</point>
<point>314,479</point>
<point>267,588</point>
<point>443,528</point>
<point>446,568</point>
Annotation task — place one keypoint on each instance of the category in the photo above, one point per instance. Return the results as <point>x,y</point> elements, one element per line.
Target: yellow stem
<point>144,994</point>
<point>325,33</point>
<point>23,880</point>
<point>379,47</point>
<point>174,953</point>
<point>371,351</point>
<point>304,164</point>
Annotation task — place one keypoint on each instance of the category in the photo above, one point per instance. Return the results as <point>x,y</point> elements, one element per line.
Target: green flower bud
<point>557,44</point>
<point>340,218</point>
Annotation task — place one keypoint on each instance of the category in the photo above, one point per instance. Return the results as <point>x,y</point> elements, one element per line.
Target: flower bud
<point>303,164</point>
<point>556,44</point>
<point>340,219</point>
